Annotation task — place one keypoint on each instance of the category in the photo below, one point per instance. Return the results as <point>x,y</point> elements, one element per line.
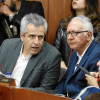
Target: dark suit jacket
<point>42,71</point>
<point>75,81</point>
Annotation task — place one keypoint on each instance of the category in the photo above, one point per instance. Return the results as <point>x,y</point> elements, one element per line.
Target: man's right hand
<point>92,81</point>
<point>4,9</point>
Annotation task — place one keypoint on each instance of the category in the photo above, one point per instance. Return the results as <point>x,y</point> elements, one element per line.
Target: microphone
<point>83,69</point>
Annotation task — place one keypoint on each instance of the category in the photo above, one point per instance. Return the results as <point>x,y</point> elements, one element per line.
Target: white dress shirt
<point>20,68</point>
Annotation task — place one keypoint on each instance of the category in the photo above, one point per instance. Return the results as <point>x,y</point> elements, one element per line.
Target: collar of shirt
<point>80,56</point>
<point>22,55</point>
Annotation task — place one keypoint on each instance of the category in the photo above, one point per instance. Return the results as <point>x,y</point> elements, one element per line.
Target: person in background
<point>15,17</point>
<point>88,8</point>
<point>26,8</point>
<point>86,53</point>
<point>7,28</point>
<point>32,62</point>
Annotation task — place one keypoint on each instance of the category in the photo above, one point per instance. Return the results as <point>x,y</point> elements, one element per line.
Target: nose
<point>36,40</point>
<point>69,36</point>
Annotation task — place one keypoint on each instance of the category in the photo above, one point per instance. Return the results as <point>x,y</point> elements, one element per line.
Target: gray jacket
<point>42,71</point>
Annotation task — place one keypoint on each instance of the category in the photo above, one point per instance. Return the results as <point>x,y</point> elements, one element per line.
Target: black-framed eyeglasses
<point>73,33</point>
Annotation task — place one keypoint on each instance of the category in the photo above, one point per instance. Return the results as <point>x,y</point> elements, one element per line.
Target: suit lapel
<point>31,65</point>
<point>86,55</point>
<point>83,61</point>
<point>72,63</point>
<point>14,56</point>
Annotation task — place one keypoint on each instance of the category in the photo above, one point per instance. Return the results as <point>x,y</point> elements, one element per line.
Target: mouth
<point>35,48</point>
<point>74,3</point>
<point>71,43</point>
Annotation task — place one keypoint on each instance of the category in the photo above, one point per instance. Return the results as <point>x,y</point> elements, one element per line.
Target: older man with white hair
<point>86,53</point>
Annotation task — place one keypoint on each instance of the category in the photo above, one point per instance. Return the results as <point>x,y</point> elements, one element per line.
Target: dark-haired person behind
<point>7,28</point>
<point>26,8</point>
<point>32,62</point>
<point>15,18</point>
<point>88,8</point>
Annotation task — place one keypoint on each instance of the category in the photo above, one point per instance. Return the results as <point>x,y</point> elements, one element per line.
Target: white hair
<point>87,25</point>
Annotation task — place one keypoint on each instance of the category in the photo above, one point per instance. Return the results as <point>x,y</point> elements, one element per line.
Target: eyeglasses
<point>73,33</point>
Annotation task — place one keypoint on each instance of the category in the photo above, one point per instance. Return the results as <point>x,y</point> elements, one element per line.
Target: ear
<point>89,35</point>
<point>21,36</point>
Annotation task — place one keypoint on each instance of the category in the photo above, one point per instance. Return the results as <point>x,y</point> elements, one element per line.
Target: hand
<point>63,65</point>
<point>92,81</point>
<point>4,9</point>
<point>1,4</point>
<point>95,74</point>
<point>98,64</point>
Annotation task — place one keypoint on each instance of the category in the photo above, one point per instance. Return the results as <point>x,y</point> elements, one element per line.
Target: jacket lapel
<point>86,55</point>
<point>72,63</point>
<point>14,56</point>
<point>31,65</point>
<point>83,61</point>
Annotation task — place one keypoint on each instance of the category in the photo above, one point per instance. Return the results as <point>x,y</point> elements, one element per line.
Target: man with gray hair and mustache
<point>86,53</point>
<point>32,62</point>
